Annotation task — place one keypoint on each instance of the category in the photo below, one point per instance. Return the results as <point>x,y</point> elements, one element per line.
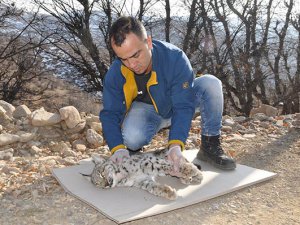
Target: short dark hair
<point>123,26</point>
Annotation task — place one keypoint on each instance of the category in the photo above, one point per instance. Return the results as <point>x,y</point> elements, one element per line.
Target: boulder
<point>9,108</point>
<point>41,117</point>
<point>21,111</point>
<point>265,109</point>
<point>6,139</point>
<point>94,138</point>
<point>70,115</point>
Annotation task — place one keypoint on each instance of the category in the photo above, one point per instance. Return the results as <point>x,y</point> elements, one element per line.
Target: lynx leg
<point>157,189</point>
<point>190,174</point>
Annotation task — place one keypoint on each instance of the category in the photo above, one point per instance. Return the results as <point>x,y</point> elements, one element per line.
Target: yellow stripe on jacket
<point>130,87</point>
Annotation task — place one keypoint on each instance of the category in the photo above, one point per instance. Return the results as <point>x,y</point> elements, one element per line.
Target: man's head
<point>131,45</point>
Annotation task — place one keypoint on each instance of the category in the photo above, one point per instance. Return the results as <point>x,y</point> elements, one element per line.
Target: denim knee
<point>134,140</point>
<point>209,100</point>
<point>208,82</point>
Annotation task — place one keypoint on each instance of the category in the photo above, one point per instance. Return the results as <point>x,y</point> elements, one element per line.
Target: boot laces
<point>216,147</point>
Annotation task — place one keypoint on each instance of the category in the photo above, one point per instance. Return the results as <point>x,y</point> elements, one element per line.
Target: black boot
<point>212,152</point>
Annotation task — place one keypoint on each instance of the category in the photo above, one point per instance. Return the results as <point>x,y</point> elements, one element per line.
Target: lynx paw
<point>168,192</point>
<point>190,174</point>
<point>192,180</point>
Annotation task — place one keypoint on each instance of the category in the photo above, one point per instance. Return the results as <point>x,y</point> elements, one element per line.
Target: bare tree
<point>235,40</point>
<point>145,7</point>
<point>291,67</point>
<point>281,33</point>
<point>20,61</point>
<point>107,10</point>
<point>235,43</point>
<point>76,40</point>
<point>168,20</point>
<point>191,24</point>
<point>81,45</point>
<point>275,64</point>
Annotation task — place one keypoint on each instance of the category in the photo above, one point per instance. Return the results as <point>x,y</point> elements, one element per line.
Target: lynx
<point>140,170</point>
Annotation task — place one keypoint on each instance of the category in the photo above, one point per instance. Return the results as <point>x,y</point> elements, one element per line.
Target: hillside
<point>36,137</point>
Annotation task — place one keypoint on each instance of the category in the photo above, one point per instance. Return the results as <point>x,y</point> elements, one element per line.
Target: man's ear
<point>149,42</point>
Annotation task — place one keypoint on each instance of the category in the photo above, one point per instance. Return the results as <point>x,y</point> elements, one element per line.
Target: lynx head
<point>98,177</point>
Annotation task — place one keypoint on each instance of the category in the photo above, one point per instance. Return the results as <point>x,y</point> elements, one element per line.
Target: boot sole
<point>202,156</point>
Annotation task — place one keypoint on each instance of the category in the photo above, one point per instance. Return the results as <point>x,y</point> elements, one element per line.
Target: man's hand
<point>174,155</point>
<point>119,155</point>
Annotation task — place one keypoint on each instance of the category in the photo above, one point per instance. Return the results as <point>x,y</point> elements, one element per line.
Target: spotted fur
<point>140,171</point>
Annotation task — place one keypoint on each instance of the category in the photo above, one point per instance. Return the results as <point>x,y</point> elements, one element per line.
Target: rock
<point>226,129</point>
<point>70,115</point>
<point>6,139</point>
<point>69,161</point>
<point>94,138</point>
<point>268,110</point>
<point>60,147</point>
<point>25,153</point>
<point>238,127</point>
<point>7,154</point>
<point>92,118</point>
<point>67,152</point>
<point>228,122</point>
<point>195,140</point>
<point>279,123</point>
<point>79,145</point>
<point>247,131</point>
<point>9,108</point>
<point>34,143</point>
<point>265,125</point>
<point>35,150</point>
<point>41,117</point>
<point>4,118</point>
<point>96,126</point>
<point>195,123</point>
<point>296,123</point>
<point>235,138</point>
<point>78,128</point>
<point>260,117</point>
<point>25,123</point>
<point>10,170</point>
<point>25,137</point>
<point>21,111</point>
<point>273,136</point>
<point>288,119</point>
<point>239,119</point>
<point>249,135</point>
<point>297,116</point>
<point>49,160</point>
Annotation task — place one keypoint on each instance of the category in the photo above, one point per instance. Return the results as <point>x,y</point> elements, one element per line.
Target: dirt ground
<point>276,201</point>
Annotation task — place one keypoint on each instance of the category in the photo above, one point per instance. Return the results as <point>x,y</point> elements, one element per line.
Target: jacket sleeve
<point>113,112</point>
<point>183,101</point>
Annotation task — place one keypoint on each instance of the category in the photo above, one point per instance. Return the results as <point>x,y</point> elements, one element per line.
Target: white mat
<point>123,204</point>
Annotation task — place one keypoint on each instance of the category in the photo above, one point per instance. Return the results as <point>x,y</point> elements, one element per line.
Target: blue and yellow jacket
<point>170,89</point>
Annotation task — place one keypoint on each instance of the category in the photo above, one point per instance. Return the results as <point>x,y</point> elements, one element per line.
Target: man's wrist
<point>174,145</point>
<point>121,150</point>
<point>116,148</point>
<point>176,142</point>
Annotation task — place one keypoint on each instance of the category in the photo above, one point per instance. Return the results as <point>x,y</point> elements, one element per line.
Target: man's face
<point>135,53</point>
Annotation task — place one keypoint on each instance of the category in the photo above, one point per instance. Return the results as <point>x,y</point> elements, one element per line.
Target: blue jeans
<point>142,121</point>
